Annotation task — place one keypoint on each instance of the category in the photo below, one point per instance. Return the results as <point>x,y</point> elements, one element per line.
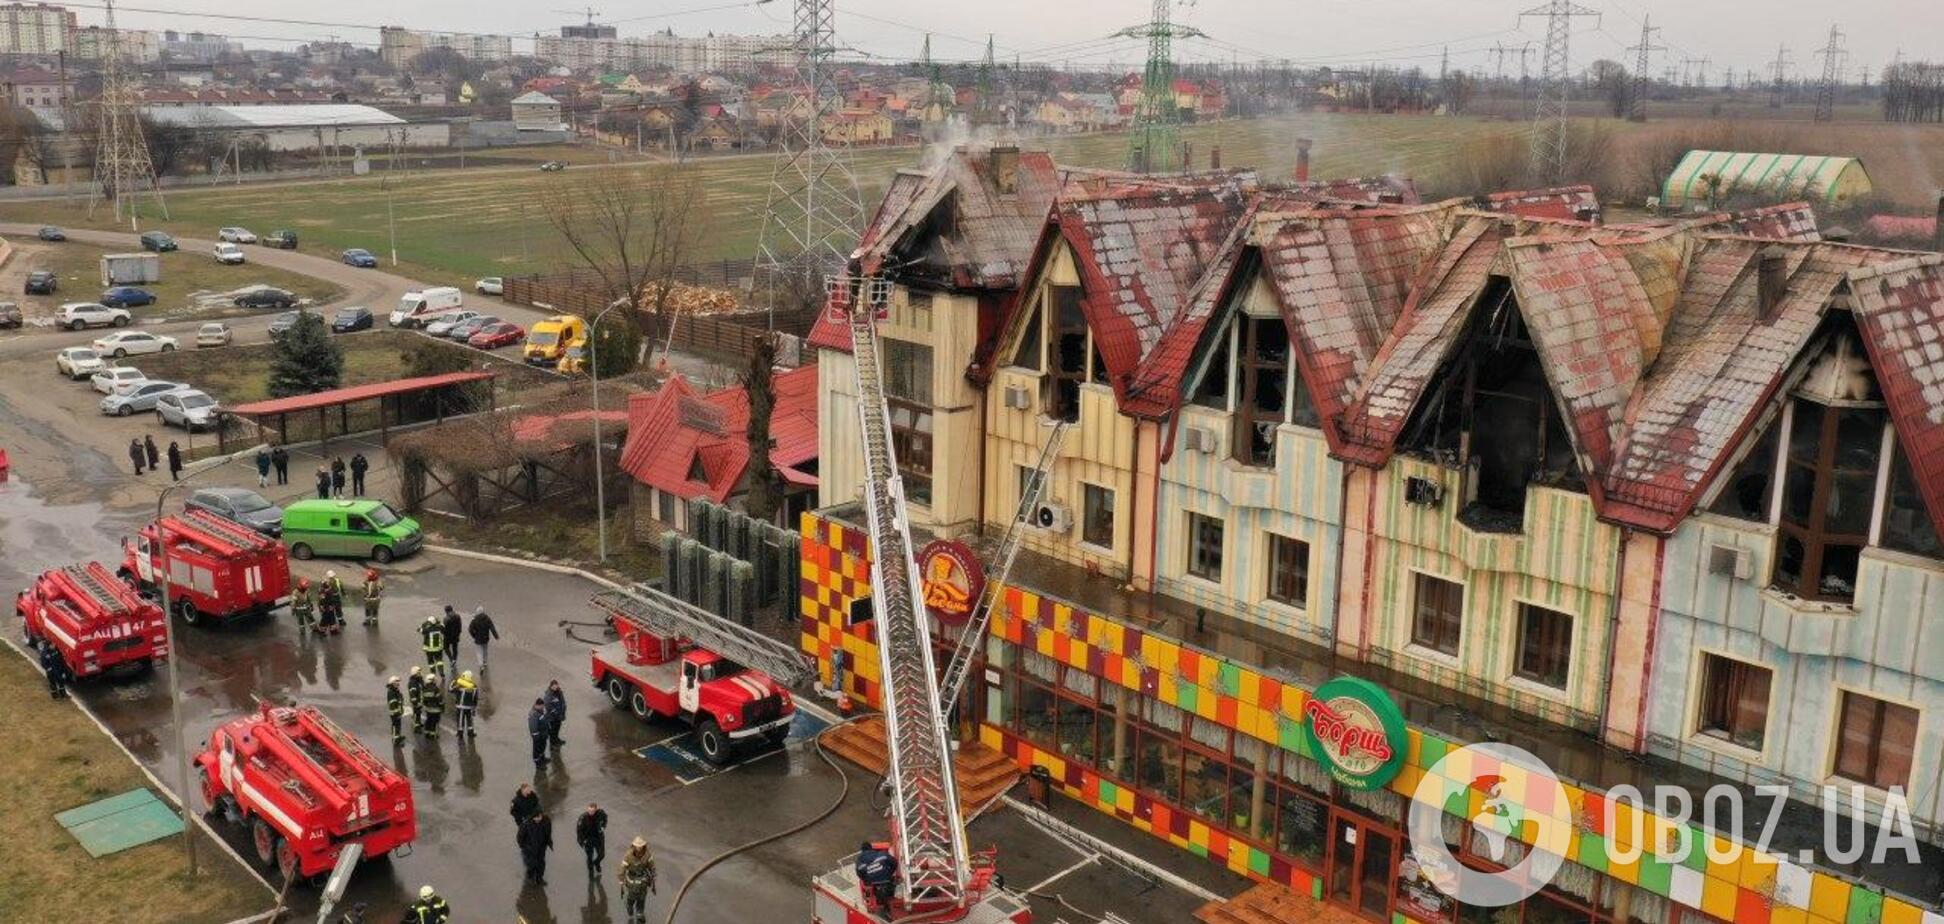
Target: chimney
<point>1302,160</point>
<point>1771,280</point>
<point>1937,230</point>
<point>1215,157</point>
<point>1005,169</point>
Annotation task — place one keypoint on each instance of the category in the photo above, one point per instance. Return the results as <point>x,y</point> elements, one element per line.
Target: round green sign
<point>1356,730</point>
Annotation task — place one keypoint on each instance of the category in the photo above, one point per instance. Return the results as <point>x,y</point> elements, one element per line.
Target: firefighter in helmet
<point>303,605</point>
<point>432,642</point>
<point>432,697</point>
<point>415,694</point>
<point>465,699</point>
<point>373,590</point>
<point>330,604</point>
<point>395,707</point>
<point>431,908</point>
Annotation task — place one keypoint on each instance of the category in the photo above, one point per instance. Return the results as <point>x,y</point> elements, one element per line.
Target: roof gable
<point>1900,309</point>
<point>676,434</point>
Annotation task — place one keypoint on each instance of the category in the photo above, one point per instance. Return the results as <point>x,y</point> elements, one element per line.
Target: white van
<point>416,307</point>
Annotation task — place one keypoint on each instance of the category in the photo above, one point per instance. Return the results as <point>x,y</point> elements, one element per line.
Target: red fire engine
<point>660,667</point>
<point>94,620</point>
<point>221,568</point>
<point>305,788</point>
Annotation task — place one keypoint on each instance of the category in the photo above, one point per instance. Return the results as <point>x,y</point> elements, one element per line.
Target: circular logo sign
<point>1357,731</point>
<point>952,579</point>
<point>1523,823</point>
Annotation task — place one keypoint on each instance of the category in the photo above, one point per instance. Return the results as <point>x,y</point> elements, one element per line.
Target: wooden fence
<point>730,335</point>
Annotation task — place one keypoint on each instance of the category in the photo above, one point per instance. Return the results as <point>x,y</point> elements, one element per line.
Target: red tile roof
<point>1900,308</point>
<point>1560,202</point>
<point>674,430</point>
<point>339,396</point>
<point>961,220</point>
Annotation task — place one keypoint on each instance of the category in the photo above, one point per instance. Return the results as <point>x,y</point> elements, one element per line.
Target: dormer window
<point>1262,371</point>
<point>1069,352</point>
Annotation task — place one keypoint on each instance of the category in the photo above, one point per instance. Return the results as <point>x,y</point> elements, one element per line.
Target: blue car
<point>127,297</point>
<point>358,256</point>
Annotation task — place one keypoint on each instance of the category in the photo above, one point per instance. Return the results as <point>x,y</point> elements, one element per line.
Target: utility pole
<point>1154,142</point>
<point>814,211</point>
<point>1701,71</point>
<point>1548,155</point>
<point>1781,67</point>
<point>1637,103</point>
<point>1832,55</point>
<point>123,170</point>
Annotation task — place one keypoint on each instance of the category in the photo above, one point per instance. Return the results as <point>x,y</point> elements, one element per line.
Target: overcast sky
<point>1741,33</point>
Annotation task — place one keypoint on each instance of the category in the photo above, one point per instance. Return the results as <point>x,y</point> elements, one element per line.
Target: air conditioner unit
<point>1054,518</point>
<point>1018,397</point>
<point>1729,561</point>
<point>1199,439</point>
<point>1423,492</point>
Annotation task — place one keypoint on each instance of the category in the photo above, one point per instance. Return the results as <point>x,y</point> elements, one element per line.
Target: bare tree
<point>633,228</point>
<point>765,488</point>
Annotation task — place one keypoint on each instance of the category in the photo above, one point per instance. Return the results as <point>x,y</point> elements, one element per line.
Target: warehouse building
<point>319,127</point>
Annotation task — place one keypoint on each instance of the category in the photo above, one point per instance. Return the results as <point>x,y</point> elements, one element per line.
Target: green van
<point>349,529</point>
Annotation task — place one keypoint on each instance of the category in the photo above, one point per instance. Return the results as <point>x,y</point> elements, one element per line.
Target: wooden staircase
<point>981,772</point>
<point>1272,903</point>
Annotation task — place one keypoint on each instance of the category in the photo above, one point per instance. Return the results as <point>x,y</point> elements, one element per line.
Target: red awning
<point>337,396</point>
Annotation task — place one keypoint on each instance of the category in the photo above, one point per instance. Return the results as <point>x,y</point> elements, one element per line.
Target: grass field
<point>183,272</point>
<point>455,225</point>
<point>57,760</point>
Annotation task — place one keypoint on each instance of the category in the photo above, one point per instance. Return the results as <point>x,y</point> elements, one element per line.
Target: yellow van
<point>574,358</point>
<point>547,342</point>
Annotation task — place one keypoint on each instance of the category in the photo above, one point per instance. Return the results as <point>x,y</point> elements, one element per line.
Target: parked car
<point>349,528</point>
<point>443,326</point>
<point>51,233</point>
<point>349,319</point>
<point>229,254</point>
<point>127,297</point>
<point>491,285</point>
<point>235,235</point>
<point>417,309</point>
<point>116,379</point>
<point>77,315</point>
<point>494,336</point>
<point>358,256</point>
<point>140,396</point>
<point>266,297</point>
<point>188,408</point>
<point>464,330</point>
<point>214,334</point>
<point>282,324</point>
<point>240,504</point>
<point>158,241</point>
<point>281,239</point>
<point>10,315</point>
<point>133,343</point>
<point>78,362</point>
<point>42,282</point>
<point>552,166</point>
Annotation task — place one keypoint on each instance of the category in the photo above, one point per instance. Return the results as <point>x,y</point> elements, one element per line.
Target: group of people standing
<point>148,457</point>
<point>271,458</point>
<point>534,837</point>
<point>427,688</point>
<point>330,480</point>
<point>320,608</point>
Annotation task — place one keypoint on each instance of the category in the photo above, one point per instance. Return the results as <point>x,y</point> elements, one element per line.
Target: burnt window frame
<point>1432,635</point>
<point>1719,700</point>
<point>1088,491</point>
<point>1903,481</point>
<point>1248,373</point>
<point>1815,535</point>
<point>911,446</point>
<point>1523,644</point>
<point>1062,383</point>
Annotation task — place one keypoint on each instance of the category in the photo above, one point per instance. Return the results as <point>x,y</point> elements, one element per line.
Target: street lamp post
<point>175,653</point>
<point>594,373</point>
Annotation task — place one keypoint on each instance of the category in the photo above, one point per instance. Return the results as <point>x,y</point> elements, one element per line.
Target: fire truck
<point>220,569</point>
<point>96,621</point>
<point>680,661</point>
<point>305,789</point>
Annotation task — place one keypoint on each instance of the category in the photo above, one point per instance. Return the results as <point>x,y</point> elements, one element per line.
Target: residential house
<point>536,111</point>
<point>38,87</point>
<point>683,444</point>
<point>857,127</point>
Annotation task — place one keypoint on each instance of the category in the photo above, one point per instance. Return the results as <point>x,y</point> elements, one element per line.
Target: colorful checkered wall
<point>1754,889</point>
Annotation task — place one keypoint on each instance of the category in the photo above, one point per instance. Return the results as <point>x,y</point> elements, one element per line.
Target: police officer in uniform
<point>395,706</point>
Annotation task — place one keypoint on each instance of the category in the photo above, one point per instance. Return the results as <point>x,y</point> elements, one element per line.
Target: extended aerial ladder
<point>667,616</point>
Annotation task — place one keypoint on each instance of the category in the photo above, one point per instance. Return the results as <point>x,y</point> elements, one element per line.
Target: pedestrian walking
<point>174,456</point>
<point>415,694</point>
<point>556,711</point>
<point>337,477</point>
<point>395,707</point>
<point>637,879</point>
<point>590,832</point>
<point>149,449</point>
<point>465,699</point>
<point>433,697</point>
<point>449,631</point>
<point>303,605</point>
<point>374,590</point>
<point>323,483</point>
<point>359,465</point>
<point>526,804</point>
<point>280,457</point>
<point>431,908</point>
<point>263,467</point>
<point>136,455</point>
<point>483,633</point>
<point>56,669</point>
<point>535,839</point>
<point>432,642</point>
<point>537,729</point>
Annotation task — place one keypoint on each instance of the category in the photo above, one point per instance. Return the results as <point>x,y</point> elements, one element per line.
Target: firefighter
<point>637,879</point>
<point>415,694</point>
<point>374,589</point>
<point>57,671</point>
<point>465,698</point>
<point>432,642</point>
<point>330,600</point>
<point>395,705</point>
<point>431,908</point>
<point>877,871</point>
<point>432,696</point>
<point>303,605</point>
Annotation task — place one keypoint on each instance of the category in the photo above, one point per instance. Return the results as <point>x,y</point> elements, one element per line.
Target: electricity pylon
<point>1154,143</point>
<point>123,171</point>
<point>814,211</point>
<point>1637,104</point>
<point>1549,116</point>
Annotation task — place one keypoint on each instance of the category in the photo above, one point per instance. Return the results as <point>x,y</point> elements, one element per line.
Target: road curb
<point>524,563</point>
<point>157,782</point>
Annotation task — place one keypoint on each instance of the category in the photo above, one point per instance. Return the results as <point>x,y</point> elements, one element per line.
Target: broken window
<point>1069,355</point>
<point>1097,525</point>
<point>1745,495</point>
<point>1028,354</point>
<point>1907,524</point>
<point>1213,389</point>
<point>911,445</point>
<point>1262,371</point>
<point>1828,492</point>
<point>908,371</point>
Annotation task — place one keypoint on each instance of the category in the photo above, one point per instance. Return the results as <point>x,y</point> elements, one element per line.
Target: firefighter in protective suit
<point>395,706</point>
<point>330,604</point>
<point>433,698</point>
<point>465,699</point>
<point>432,642</point>
<point>431,908</point>
<point>303,605</point>
<point>415,694</point>
<point>374,589</point>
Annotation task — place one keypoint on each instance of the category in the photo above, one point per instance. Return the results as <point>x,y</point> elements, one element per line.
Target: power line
<point>1637,105</point>
<point>1549,116</point>
<point>1832,55</point>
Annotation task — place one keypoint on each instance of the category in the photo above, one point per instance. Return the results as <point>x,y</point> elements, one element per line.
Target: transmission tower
<point>1154,143</point>
<point>1832,55</point>
<point>935,92</point>
<point>1781,72</point>
<point>983,108</point>
<point>123,171</point>
<point>814,211</point>
<point>1549,116</point>
<point>1637,104</point>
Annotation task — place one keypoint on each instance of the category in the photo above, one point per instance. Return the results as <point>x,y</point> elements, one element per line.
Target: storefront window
<point>1302,827</point>
<point>1159,766</point>
<point>1242,782</point>
<point>1033,714</point>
